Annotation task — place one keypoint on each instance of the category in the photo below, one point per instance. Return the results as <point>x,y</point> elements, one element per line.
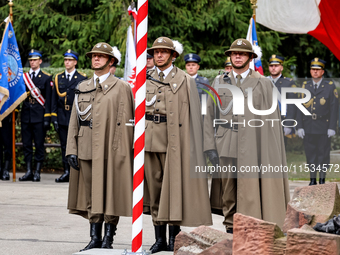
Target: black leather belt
<point>157,118</point>
<point>86,123</point>
<point>227,125</point>
<point>319,117</point>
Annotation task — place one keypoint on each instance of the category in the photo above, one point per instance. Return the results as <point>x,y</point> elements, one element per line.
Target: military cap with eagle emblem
<point>192,57</point>
<point>70,54</point>
<point>241,45</point>
<point>317,63</point>
<point>276,60</point>
<point>35,54</point>
<point>227,62</point>
<point>103,48</point>
<point>166,43</point>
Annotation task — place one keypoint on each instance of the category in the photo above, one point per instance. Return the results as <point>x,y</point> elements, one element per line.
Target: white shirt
<point>317,83</point>
<point>101,78</point>
<point>71,74</point>
<point>35,72</point>
<point>166,71</point>
<point>194,76</point>
<point>243,75</point>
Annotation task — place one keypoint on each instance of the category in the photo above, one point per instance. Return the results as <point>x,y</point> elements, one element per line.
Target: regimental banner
<point>11,72</point>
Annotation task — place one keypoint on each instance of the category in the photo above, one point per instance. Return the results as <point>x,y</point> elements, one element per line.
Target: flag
<point>318,18</point>
<point>11,72</point>
<point>130,61</point>
<point>255,64</point>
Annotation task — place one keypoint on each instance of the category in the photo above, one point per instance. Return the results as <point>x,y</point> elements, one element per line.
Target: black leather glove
<point>56,126</point>
<point>73,161</point>
<point>213,157</point>
<point>46,125</point>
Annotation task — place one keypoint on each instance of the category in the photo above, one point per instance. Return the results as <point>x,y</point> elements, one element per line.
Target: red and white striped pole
<point>138,166</point>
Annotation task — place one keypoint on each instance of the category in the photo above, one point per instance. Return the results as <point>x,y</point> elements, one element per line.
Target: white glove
<point>330,132</point>
<point>301,132</point>
<point>287,130</point>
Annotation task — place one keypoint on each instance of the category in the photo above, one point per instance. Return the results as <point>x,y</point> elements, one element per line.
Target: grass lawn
<point>296,160</point>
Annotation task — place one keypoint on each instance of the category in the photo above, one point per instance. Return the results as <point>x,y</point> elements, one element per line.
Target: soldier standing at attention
<point>35,117</point>
<point>172,120</point>
<point>227,65</point>
<point>275,69</point>
<point>238,145</point>
<point>316,130</point>
<point>99,149</point>
<point>192,66</point>
<point>62,101</point>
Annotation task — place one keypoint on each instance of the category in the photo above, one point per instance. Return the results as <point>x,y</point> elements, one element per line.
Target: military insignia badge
<point>330,83</point>
<point>62,76</point>
<point>304,82</point>
<point>39,76</point>
<point>75,77</point>
<point>316,59</point>
<point>32,51</point>
<point>105,46</point>
<point>69,51</point>
<point>336,93</point>
<point>293,86</point>
<point>175,85</point>
<point>239,42</point>
<point>98,45</point>
<point>190,56</point>
<point>322,101</point>
<point>105,87</point>
<point>160,40</point>
<point>273,56</point>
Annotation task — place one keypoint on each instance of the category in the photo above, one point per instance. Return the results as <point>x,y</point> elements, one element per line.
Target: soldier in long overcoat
<point>100,186</point>
<point>173,146</point>
<point>247,145</point>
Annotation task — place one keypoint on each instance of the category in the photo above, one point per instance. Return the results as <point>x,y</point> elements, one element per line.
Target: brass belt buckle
<point>157,118</point>
<point>67,107</point>
<point>314,116</point>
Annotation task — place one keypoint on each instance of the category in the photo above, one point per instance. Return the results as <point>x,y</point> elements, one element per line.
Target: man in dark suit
<point>62,101</point>
<point>36,118</point>
<point>5,147</point>
<point>316,130</point>
<point>275,69</point>
<point>192,66</point>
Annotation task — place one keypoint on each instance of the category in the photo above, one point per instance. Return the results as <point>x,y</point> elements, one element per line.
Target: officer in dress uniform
<point>62,101</point>
<point>35,118</point>
<point>192,66</point>
<point>275,69</point>
<point>317,129</point>
<point>227,65</point>
<point>5,147</point>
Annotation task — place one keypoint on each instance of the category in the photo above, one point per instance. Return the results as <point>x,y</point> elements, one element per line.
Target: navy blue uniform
<point>33,116</point>
<point>62,106</point>
<point>323,106</point>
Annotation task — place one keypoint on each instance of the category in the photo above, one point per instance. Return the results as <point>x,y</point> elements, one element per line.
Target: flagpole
<point>254,6</point>
<point>13,113</point>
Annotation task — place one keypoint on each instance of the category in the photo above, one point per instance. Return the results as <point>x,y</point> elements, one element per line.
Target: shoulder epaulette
<point>83,74</point>
<point>57,76</point>
<point>46,73</point>
<point>330,83</point>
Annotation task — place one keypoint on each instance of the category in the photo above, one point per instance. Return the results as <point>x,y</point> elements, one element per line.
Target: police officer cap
<point>103,48</point>
<point>241,45</point>
<point>70,54</point>
<point>276,60</point>
<point>317,63</point>
<point>149,55</point>
<point>192,57</point>
<point>227,62</point>
<point>163,43</point>
<point>35,54</point>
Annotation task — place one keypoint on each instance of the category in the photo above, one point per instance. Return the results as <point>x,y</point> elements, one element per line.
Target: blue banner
<point>11,72</point>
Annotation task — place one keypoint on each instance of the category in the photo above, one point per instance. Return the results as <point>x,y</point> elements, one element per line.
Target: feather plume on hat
<point>178,47</point>
<point>117,54</point>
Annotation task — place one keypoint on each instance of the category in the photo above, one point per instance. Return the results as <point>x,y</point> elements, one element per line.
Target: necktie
<point>239,77</point>
<point>33,75</point>
<point>97,83</point>
<point>68,77</point>
<point>315,87</point>
<point>161,76</point>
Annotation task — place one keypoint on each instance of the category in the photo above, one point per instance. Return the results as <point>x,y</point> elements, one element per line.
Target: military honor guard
<point>227,65</point>
<point>5,147</point>
<point>192,66</point>
<point>62,101</point>
<point>317,129</point>
<point>172,118</point>
<point>275,70</point>
<point>99,149</point>
<point>35,115</point>
<point>237,146</point>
